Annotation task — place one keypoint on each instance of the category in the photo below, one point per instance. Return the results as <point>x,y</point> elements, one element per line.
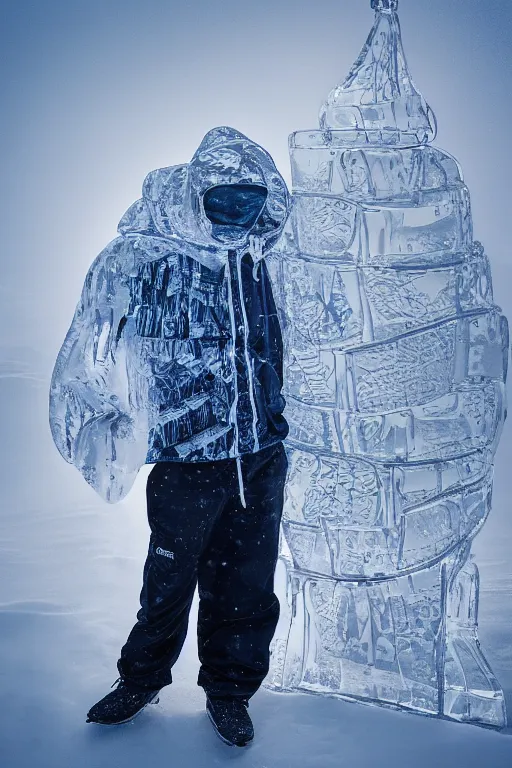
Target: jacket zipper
<point>236,256</point>
<point>250,371</point>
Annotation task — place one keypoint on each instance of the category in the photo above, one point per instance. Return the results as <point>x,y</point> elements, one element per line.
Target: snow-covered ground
<point>70,569</point>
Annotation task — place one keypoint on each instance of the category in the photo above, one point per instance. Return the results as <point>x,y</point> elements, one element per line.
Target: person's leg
<point>238,610</point>
<point>184,500</point>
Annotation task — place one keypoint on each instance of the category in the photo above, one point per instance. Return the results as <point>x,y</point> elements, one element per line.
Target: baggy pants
<point>202,535</point>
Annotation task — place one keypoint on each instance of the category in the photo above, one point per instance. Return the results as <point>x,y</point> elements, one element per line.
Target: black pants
<point>201,534</point>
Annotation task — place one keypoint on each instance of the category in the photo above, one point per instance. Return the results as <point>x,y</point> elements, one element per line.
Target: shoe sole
<point>154,700</point>
<point>222,738</point>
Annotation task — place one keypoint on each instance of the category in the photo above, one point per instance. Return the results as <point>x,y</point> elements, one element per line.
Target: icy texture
<point>147,369</point>
<point>396,360</point>
<point>378,98</point>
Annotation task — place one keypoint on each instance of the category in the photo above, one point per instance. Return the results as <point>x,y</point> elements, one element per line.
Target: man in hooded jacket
<point>174,357</point>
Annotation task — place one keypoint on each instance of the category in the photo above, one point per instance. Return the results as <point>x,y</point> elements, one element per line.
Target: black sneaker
<point>121,705</point>
<point>230,719</point>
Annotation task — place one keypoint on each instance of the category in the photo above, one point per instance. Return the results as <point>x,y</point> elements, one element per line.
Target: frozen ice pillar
<point>396,360</point>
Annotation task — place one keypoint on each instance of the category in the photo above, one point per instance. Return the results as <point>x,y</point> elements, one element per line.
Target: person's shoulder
<point>142,250</point>
<point>112,266</point>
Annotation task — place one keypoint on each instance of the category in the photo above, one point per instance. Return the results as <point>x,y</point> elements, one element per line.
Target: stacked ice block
<point>395,384</point>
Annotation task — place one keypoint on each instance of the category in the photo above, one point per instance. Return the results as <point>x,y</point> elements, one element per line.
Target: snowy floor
<point>70,571</point>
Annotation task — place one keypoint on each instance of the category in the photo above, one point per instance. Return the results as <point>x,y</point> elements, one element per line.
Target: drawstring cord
<point>256,251</point>
<point>241,482</point>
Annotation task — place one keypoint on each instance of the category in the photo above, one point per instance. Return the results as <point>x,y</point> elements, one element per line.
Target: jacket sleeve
<point>94,420</point>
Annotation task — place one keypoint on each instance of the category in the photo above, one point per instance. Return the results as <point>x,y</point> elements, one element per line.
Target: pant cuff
<point>150,681</point>
<point>227,688</point>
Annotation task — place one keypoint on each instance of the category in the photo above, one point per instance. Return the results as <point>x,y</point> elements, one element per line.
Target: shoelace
<point>226,699</point>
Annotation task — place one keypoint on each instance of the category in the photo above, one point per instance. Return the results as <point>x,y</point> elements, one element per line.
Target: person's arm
<point>92,418</point>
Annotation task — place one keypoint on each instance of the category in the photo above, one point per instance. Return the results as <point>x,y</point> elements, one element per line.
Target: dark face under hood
<point>234,210</point>
<point>173,198</point>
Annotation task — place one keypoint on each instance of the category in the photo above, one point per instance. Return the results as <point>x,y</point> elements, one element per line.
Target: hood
<point>172,202</point>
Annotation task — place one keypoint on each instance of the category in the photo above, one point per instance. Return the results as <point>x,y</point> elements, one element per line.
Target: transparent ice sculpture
<point>148,370</point>
<point>396,360</point>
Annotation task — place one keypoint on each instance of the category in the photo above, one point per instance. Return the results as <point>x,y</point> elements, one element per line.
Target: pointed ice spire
<point>378,95</point>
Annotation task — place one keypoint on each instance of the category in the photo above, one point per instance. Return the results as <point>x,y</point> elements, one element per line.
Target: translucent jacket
<point>175,351</point>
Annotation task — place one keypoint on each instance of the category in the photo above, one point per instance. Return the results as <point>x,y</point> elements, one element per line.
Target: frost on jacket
<point>174,352</point>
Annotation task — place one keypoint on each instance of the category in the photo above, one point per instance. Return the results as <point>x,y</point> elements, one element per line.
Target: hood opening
<point>229,191</point>
<point>234,209</point>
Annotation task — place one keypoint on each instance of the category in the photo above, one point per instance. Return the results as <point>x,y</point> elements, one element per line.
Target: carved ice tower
<point>395,384</point>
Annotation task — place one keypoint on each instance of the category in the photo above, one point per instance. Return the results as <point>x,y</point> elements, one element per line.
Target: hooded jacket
<point>175,350</point>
